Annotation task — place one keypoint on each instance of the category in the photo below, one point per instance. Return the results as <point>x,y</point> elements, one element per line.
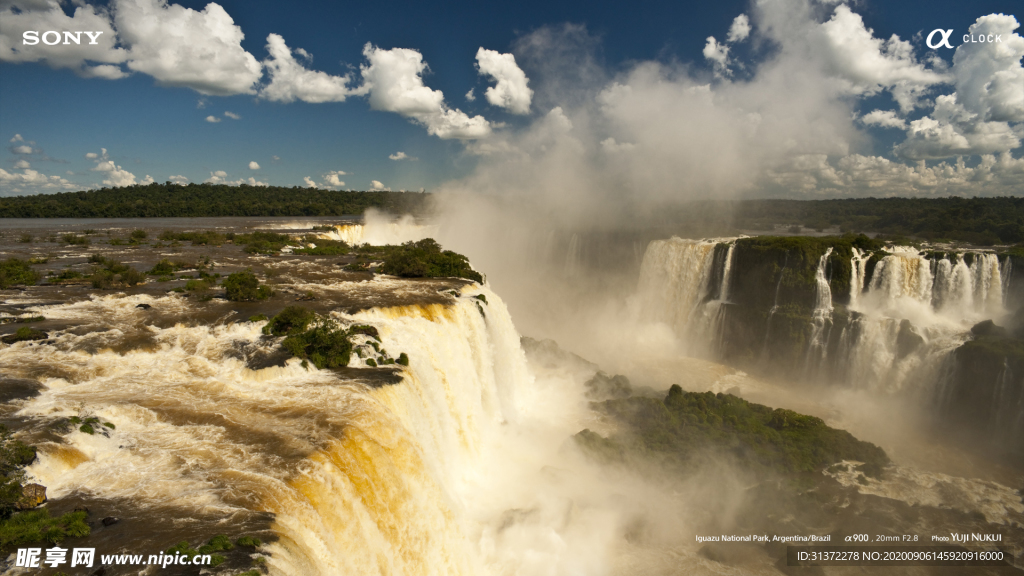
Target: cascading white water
<point>1006,272</point>
<point>940,298</point>
<point>361,479</point>
<point>858,274</point>
<point>380,229</point>
<point>676,276</point>
<point>573,257</point>
<point>821,317</point>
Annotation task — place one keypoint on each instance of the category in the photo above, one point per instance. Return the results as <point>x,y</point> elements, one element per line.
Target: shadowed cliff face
<point>853,312</point>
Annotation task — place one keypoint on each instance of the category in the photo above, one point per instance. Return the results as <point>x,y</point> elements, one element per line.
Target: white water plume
<point>379,229</point>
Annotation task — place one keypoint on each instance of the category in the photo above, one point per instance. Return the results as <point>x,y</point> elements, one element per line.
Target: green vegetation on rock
<point>24,334</point>
<point>14,272</point>
<point>324,247</point>
<point>422,259</point>
<point>291,320</point>
<point>28,526</point>
<point>39,526</point>
<point>685,425</point>
<point>260,242</point>
<point>245,287</point>
<point>324,343</point>
<point>112,274</point>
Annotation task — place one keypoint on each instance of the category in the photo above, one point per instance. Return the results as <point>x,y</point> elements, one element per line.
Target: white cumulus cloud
<point>221,177</point>
<point>212,119</point>
<point>290,80</point>
<point>884,118</point>
<point>309,182</point>
<point>333,179</point>
<point>394,80</point>
<point>718,54</point>
<point>114,175</point>
<point>32,182</point>
<point>865,65</point>
<point>740,29</point>
<point>232,115</point>
<point>377,185</point>
<point>179,46</point>
<point>254,165</point>
<point>511,91</point>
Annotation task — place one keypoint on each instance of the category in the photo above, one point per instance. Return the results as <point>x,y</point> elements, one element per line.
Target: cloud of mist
<point>612,150</point>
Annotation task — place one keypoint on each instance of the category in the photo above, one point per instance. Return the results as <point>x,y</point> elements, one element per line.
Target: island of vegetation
<point>686,426</point>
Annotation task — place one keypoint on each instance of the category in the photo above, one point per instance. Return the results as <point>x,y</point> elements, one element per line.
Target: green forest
<point>197,200</point>
<point>979,221</point>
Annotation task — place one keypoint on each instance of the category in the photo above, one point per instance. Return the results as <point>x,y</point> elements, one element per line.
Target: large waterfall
<point>684,283</point>
<point>895,329</point>
<point>361,477</point>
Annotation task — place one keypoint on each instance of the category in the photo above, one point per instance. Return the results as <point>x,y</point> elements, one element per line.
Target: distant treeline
<point>197,200</point>
<point>980,221</point>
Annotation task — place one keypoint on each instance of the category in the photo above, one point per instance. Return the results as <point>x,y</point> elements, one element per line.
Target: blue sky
<point>135,126</point>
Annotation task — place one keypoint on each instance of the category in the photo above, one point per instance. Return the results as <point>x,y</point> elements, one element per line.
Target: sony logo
<point>32,37</point>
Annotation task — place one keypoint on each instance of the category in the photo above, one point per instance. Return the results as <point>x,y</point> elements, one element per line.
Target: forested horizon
<point>980,221</point>
<point>169,200</point>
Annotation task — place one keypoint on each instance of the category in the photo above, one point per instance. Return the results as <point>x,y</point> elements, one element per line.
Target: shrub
<point>425,259</point>
<point>164,268</point>
<point>249,541</point>
<point>138,234</point>
<point>206,238</point>
<point>68,274</point>
<point>113,274</point>
<point>245,287</point>
<point>262,242</point>
<point>292,319</point>
<point>364,330</point>
<point>325,344</point>
<point>403,359</point>
<point>14,456</point>
<point>14,272</point>
<point>324,248</point>
<point>74,239</point>
<point>39,525</point>
<point>24,334</point>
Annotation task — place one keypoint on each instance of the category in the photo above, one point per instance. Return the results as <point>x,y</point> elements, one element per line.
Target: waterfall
<point>573,257</point>
<point>858,274</point>
<point>821,317</point>
<point>387,497</point>
<point>681,285</point>
<point>774,308</point>
<point>1006,272</point>
<point>362,478</point>
<point>381,229</point>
